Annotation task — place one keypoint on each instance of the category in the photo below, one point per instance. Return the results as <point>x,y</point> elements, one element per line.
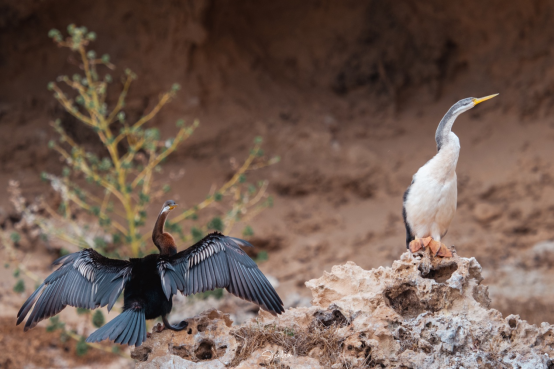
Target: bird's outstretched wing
<point>217,261</point>
<point>85,279</point>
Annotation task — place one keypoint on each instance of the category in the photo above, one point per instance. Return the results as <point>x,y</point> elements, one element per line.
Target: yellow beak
<point>480,100</point>
<point>172,207</point>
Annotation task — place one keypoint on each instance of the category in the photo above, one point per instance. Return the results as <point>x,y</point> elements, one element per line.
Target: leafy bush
<point>118,187</point>
<point>134,155</point>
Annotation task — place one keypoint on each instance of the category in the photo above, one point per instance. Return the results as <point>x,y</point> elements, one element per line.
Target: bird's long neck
<point>445,161</point>
<point>442,136</point>
<point>163,241</point>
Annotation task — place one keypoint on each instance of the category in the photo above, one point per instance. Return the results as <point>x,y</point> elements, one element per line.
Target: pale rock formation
<point>423,312</point>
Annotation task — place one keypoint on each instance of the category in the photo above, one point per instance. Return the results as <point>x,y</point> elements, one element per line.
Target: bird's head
<point>468,103</point>
<point>168,206</point>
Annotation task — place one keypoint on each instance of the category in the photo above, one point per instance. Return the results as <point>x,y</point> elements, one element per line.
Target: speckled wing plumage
<point>217,261</point>
<point>85,279</point>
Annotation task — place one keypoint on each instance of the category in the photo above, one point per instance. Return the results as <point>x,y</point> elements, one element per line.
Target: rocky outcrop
<point>423,312</point>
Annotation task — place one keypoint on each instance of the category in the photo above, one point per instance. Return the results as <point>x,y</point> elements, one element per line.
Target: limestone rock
<point>423,312</point>
<point>204,344</point>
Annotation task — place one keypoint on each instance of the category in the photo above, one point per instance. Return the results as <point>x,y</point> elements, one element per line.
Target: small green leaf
<point>50,86</point>
<point>152,134</point>
<point>116,238</point>
<point>218,197</point>
<point>91,36</point>
<point>166,188</point>
<point>197,234</point>
<point>105,221</point>
<point>262,256</point>
<point>15,237</point>
<point>242,178</point>
<point>64,337</point>
<point>180,123</point>
<point>62,208</point>
<point>53,33</point>
<point>91,54</point>
<point>55,324</point>
<point>98,319</point>
<point>127,165</point>
<point>175,87</point>
<point>144,198</point>
<point>216,224</point>
<point>19,287</point>
<point>81,348</point>
<point>258,140</point>
<point>82,311</point>
<point>248,231</point>
<point>105,58</point>
<point>95,210</point>
<point>99,242</point>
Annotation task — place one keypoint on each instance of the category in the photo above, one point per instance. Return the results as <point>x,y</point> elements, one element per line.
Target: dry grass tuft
<point>296,342</point>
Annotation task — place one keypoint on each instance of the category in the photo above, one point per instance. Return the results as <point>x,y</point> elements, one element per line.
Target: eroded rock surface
<point>422,312</point>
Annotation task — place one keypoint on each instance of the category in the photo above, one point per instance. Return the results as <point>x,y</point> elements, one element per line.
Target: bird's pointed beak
<point>172,207</point>
<point>480,100</point>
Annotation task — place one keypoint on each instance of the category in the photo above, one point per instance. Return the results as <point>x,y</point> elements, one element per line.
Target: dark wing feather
<point>84,279</point>
<point>217,261</point>
<point>409,233</point>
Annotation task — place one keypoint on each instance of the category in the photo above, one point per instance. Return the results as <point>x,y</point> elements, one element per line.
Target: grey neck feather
<point>445,126</point>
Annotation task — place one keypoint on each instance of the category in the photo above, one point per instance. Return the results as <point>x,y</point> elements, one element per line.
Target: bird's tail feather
<point>129,327</point>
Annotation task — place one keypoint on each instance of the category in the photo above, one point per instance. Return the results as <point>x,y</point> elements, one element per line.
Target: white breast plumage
<point>431,200</point>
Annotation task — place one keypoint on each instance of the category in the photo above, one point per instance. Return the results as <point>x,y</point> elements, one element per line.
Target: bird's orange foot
<point>439,249</point>
<point>419,243</point>
<point>436,247</point>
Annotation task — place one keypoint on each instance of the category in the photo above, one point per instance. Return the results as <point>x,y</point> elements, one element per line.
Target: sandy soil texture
<point>348,93</point>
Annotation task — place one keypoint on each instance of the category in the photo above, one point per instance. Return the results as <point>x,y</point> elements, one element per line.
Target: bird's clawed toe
<point>436,247</point>
<point>444,252</point>
<point>419,243</point>
<point>439,249</point>
<point>158,328</point>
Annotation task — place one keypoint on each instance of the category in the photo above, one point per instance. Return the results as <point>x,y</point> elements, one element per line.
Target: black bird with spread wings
<point>86,279</point>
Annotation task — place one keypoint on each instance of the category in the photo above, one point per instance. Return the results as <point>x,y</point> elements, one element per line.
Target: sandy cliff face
<point>422,312</point>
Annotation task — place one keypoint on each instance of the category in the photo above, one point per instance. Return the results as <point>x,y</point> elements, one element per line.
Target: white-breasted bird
<point>430,200</point>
